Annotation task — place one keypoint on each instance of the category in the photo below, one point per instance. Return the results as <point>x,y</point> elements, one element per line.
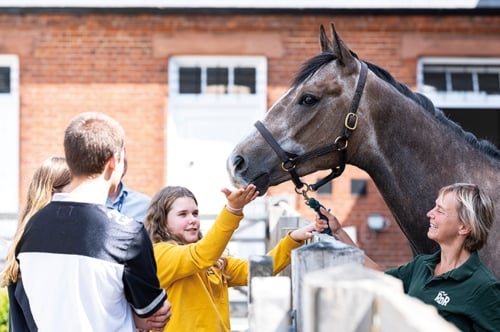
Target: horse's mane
<point>312,65</point>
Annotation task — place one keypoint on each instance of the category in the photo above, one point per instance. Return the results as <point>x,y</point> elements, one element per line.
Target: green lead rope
<point>315,205</point>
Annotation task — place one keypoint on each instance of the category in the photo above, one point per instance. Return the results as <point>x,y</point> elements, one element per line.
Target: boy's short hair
<point>90,140</point>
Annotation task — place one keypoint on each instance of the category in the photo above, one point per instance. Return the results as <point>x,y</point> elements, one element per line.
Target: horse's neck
<point>410,155</point>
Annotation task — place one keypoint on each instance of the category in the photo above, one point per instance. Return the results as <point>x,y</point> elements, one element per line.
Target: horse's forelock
<point>312,65</point>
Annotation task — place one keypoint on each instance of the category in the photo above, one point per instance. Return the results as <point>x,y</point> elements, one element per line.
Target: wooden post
<point>285,225</point>
<point>271,301</point>
<point>258,266</point>
<point>325,252</point>
<point>352,298</point>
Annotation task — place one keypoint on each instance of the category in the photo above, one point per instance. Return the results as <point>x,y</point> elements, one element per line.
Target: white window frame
<point>9,117</point>
<point>9,177</point>
<point>175,62</point>
<point>448,99</point>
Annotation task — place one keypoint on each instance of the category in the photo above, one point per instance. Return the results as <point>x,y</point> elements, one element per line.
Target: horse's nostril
<point>238,163</point>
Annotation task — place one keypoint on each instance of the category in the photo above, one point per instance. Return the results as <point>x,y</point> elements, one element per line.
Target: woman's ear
<point>464,230</point>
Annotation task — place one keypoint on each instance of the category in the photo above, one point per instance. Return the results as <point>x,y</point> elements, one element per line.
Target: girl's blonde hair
<point>51,177</point>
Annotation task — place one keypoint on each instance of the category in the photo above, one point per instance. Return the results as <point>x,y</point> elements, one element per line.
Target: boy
<point>84,266</point>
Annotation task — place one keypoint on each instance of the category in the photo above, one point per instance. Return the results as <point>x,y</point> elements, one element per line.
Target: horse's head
<point>312,120</point>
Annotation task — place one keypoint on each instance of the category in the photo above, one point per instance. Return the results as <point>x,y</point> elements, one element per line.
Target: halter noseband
<point>289,160</point>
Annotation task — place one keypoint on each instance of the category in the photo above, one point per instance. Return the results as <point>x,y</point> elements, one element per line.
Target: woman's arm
<point>340,234</point>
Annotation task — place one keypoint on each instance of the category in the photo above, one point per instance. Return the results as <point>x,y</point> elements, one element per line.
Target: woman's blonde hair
<point>474,208</point>
<point>51,177</point>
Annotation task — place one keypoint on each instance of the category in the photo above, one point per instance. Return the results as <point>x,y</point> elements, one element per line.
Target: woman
<point>50,178</point>
<point>192,268</point>
<point>453,279</point>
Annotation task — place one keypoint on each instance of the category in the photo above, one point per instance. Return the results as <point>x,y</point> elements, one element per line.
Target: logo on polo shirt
<point>442,298</point>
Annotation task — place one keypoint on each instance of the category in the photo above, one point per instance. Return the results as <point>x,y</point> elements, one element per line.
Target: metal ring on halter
<point>284,167</point>
<point>339,138</point>
<point>303,192</point>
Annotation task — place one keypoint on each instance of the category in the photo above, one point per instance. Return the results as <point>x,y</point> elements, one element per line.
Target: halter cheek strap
<point>289,160</point>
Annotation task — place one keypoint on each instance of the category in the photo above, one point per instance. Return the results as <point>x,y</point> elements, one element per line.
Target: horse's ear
<point>324,42</point>
<point>339,48</point>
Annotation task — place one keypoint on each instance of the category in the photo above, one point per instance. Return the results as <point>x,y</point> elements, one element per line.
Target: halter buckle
<point>351,121</point>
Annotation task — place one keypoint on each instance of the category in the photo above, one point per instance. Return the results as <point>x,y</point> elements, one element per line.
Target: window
<point>460,82</point>
<point>217,80</point>
<point>217,76</point>
<point>189,80</point>
<point>4,79</point>
<point>471,78</point>
<point>467,90</point>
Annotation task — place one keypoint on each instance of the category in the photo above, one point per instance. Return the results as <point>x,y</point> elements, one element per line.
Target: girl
<point>192,268</point>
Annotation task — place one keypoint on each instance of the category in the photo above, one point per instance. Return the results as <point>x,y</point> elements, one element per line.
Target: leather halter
<point>289,160</point>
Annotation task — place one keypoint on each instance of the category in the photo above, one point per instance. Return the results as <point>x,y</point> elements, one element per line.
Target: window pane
<point>325,189</point>
<point>217,80</point>
<point>489,83</point>
<point>189,80</point>
<point>435,80</point>
<point>4,79</point>
<point>461,82</point>
<point>244,80</point>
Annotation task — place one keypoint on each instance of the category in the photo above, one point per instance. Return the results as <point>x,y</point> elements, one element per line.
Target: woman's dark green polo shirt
<point>468,296</point>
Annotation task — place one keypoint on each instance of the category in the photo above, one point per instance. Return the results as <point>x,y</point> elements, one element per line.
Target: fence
<point>327,288</point>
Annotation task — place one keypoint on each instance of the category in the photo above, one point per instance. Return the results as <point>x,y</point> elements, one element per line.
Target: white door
<point>9,150</point>
<point>9,133</point>
<point>210,109</point>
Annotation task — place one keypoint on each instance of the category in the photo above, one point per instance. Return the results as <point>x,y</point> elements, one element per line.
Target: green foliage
<point>4,310</point>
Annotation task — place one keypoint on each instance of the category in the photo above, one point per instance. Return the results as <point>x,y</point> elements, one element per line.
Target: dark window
<point>358,187</point>
<point>461,82</point>
<point>244,78</point>
<point>483,123</point>
<point>4,79</point>
<point>189,80</point>
<point>489,83</point>
<point>436,80</point>
<point>217,80</point>
<point>325,189</point>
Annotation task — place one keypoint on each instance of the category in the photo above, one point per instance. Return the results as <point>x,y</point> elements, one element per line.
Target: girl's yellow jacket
<point>197,291</point>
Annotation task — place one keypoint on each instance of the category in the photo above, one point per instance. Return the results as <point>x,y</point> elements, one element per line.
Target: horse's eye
<point>308,100</point>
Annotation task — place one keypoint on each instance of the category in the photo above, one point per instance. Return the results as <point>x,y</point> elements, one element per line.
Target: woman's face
<point>444,222</point>
<point>183,221</point>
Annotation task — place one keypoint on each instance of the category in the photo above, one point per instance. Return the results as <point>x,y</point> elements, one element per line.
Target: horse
<point>342,110</point>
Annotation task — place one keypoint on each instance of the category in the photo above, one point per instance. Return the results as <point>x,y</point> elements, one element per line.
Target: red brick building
<point>119,61</point>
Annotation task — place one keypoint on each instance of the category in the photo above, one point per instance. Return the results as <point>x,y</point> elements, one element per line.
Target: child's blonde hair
<point>51,177</point>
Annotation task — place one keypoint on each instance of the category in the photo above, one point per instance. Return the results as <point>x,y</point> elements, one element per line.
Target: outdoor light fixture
<point>376,222</point>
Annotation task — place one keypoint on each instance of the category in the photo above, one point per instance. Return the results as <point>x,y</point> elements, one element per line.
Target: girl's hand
<point>319,225</point>
<point>237,199</point>
<point>303,233</point>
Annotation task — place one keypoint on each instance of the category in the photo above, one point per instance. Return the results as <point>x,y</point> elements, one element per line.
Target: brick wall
<point>117,64</point>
